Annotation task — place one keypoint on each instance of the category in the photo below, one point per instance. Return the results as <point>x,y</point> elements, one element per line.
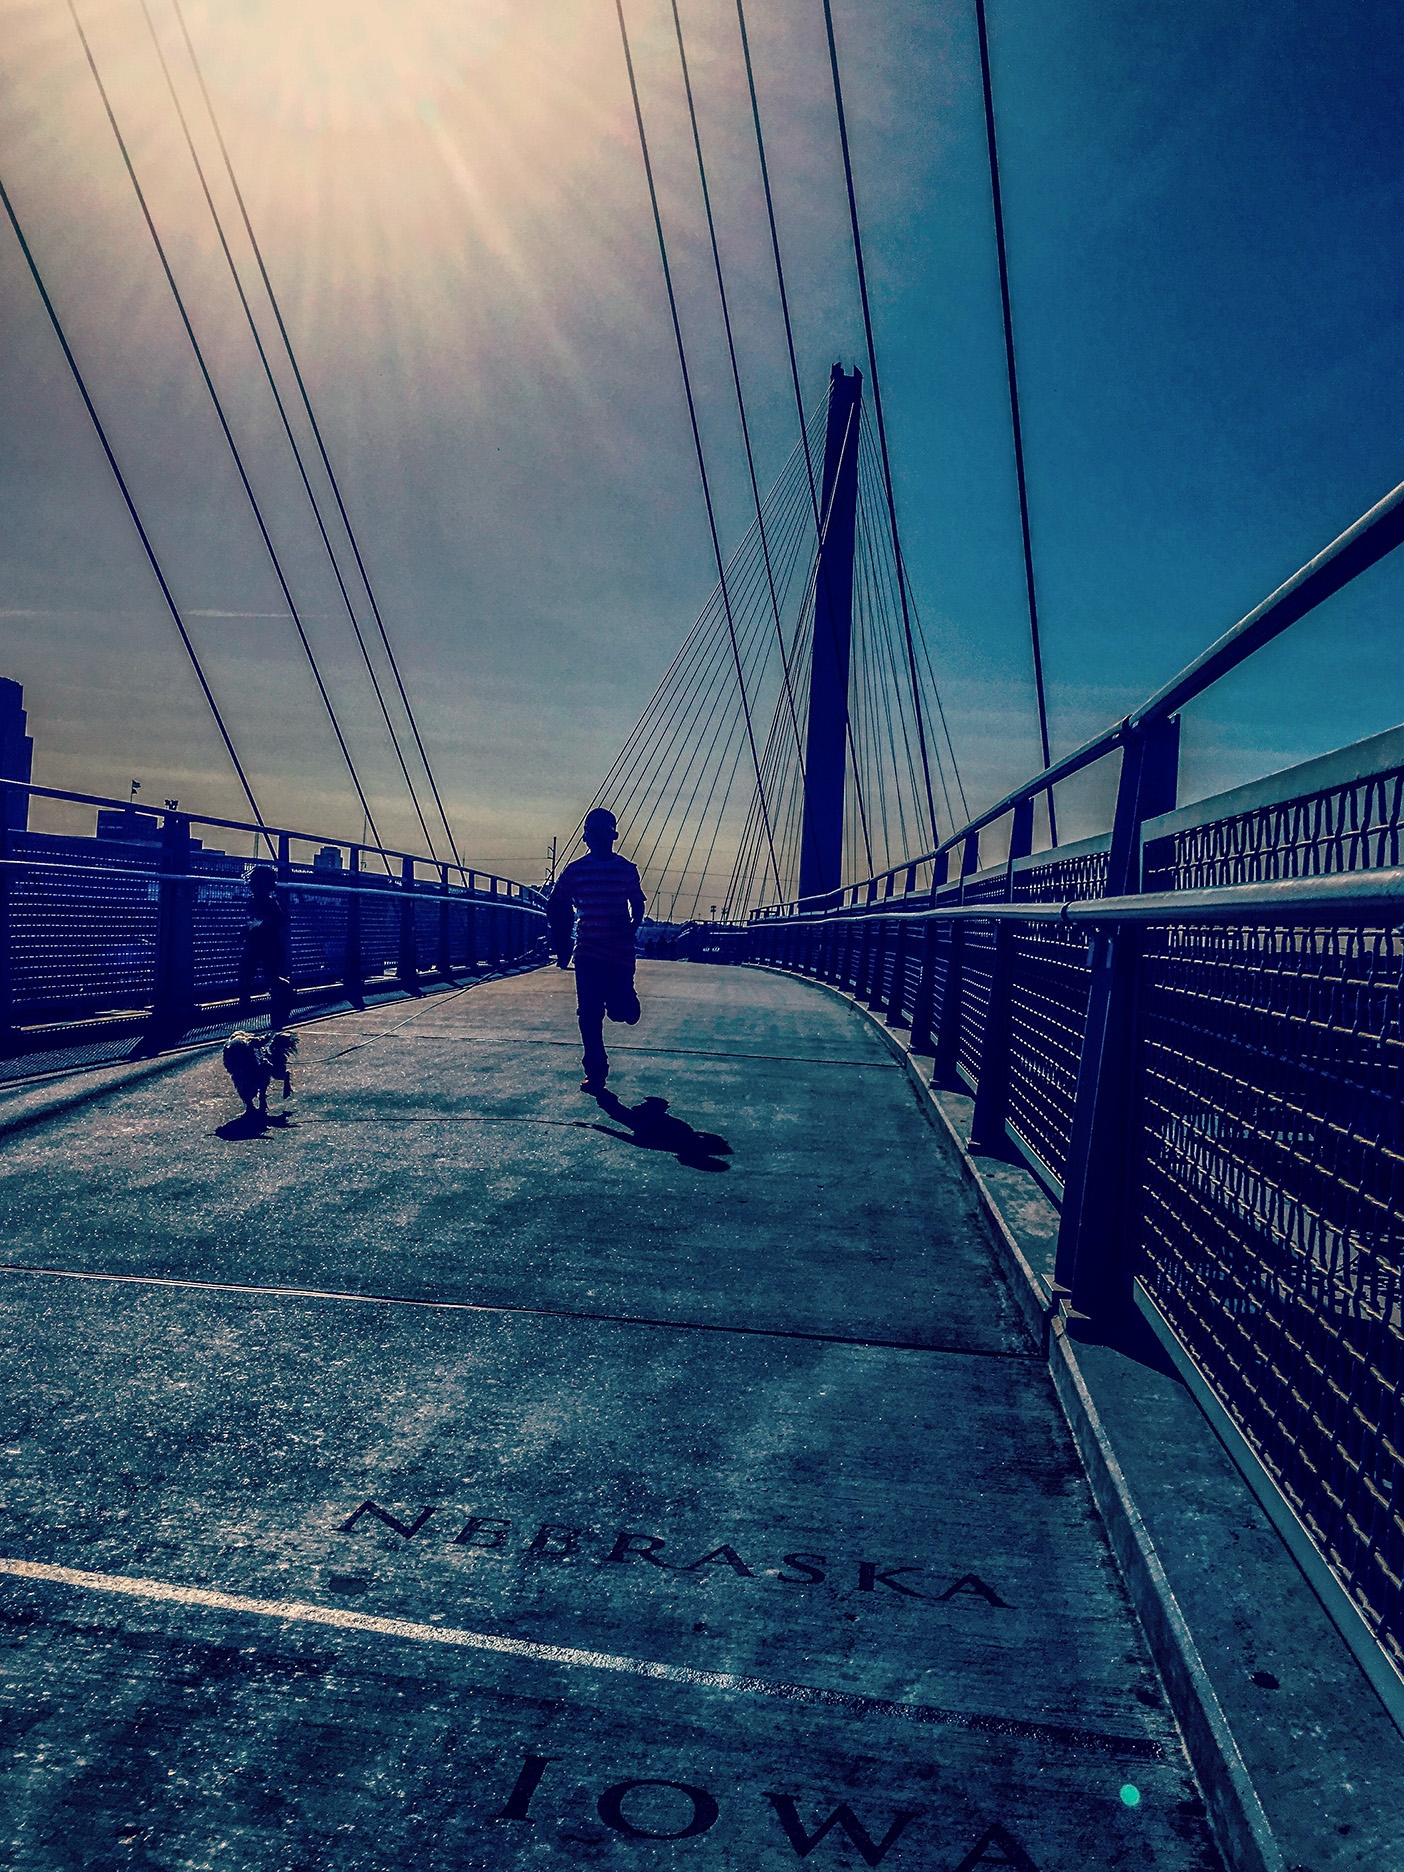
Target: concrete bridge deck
<point>469,1473</point>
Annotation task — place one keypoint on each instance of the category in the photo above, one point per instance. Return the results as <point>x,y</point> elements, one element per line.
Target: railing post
<point>352,965</point>
<point>1094,1262</point>
<point>445,958</point>
<point>407,962</point>
<point>992,1088</point>
<point>174,1001</point>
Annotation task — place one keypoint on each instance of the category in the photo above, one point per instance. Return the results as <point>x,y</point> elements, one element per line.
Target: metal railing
<point>1208,1077</point>
<point>1192,1028</point>
<point>146,929</point>
<point>1147,738</point>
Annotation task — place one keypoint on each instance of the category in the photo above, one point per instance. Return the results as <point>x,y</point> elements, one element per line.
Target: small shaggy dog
<point>252,1063</point>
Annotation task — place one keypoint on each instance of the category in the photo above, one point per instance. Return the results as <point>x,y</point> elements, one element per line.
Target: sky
<point>1205,227</point>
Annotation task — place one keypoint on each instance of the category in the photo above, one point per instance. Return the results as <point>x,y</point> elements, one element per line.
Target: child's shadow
<point>652,1127</point>
<point>251,1124</point>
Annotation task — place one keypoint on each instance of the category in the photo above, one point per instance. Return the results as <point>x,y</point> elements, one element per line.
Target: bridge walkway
<point>473,1473</point>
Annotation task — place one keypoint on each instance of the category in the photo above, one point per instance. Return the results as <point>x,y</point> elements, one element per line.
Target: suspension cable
<point>680,717</point>
<point>724,712</point>
<point>317,433</point>
<point>691,410</point>
<point>224,425</point>
<point>735,369</point>
<point>287,426</point>
<point>675,670</point>
<point>871,497</point>
<point>877,409</point>
<point>776,763</point>
<point>1014,403</point>
<point>785,299</point>
<point>686,781</point>
<point>126,492</point>
<point>779,264</point>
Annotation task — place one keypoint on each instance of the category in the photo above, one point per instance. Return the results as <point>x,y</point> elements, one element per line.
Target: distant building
<point>327,859</point>
<point>133,826</point>
<point>16,754</point>
<point>129,824</point>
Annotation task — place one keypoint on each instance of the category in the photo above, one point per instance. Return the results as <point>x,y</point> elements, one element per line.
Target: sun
<point>347,65</point>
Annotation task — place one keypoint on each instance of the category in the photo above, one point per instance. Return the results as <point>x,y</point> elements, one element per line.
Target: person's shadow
<point>652,1127</point>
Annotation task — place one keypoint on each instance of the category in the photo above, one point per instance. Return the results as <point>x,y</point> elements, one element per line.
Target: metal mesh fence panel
<point>1049,986</point>
<point>911,973</point>
<point>1269,1225</point>
<point>883,973</point>
<point>941,963</point>
<point>219,917</point>
<point>1064,880</point>
<point>1354,827</point>
<point>82,942</point>
<point>426,932</point>
<point>976,981</point>
<point>380,927</point>
<point>316,929</point>
<point>977,973</point>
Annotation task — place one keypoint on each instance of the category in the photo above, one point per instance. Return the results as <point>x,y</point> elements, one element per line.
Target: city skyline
<point>1201,227</point>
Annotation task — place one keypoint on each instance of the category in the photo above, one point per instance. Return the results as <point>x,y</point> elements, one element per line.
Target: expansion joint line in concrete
<point>527,1312</point>
<point>616,1046</point>
<point>294,1611</point>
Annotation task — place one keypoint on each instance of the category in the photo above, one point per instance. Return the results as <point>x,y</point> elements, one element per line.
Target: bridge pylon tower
<point>821,835</point>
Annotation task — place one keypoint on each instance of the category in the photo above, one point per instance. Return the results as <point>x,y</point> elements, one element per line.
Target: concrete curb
<point>1240,1826</point>
<point>1236,1818</point>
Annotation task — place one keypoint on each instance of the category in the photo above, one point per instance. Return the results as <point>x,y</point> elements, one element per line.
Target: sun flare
<point>346,65</point>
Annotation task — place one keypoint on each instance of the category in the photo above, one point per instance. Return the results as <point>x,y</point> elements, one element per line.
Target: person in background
<point>265,951</point>
<point>594,912</point>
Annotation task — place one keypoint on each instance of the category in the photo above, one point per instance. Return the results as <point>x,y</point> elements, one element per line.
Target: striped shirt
<point>603,897</point>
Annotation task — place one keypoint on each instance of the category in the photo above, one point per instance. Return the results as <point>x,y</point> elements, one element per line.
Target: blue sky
<point>1204,214</point>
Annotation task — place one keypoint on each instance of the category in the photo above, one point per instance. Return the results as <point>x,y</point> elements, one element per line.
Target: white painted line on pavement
<point>298,1611</point>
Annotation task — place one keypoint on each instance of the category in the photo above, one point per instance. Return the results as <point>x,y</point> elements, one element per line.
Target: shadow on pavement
<point>251,1125</point>
<point>652,1127</point>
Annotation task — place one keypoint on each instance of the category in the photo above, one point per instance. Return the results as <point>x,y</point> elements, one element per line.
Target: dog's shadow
<point>251,1124</point>
<point>651,1126</point>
